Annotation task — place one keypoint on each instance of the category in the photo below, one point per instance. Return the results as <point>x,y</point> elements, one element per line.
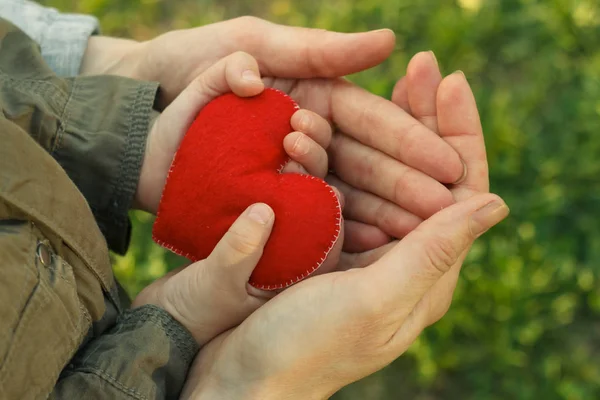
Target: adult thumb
<point>238,252</point>
<point>297,52</point>
<point>419,260</point>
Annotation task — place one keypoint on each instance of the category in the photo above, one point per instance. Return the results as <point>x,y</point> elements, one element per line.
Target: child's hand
<point>210,296</point>
<point>237,73</point>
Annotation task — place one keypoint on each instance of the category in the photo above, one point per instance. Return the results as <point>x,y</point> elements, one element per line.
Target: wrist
<point>112,56</point>
<point>241,381</point>
<point>152,179</point>
<point>218,389</point>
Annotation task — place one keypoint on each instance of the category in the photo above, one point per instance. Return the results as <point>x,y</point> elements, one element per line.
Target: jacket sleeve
<point>69,307</point>
<point>146,355</point>
<point>101,155</point>
<point>63,37</point>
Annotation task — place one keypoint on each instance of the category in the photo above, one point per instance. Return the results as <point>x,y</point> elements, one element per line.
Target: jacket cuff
<point>146,355</point>
<point>102,147</point>
<point>173,330</point>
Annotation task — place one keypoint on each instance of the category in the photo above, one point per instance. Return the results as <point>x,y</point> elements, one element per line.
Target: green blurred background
<point>525,323</point>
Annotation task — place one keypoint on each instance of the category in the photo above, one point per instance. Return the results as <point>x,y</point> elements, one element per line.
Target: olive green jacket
<point>70,155</point>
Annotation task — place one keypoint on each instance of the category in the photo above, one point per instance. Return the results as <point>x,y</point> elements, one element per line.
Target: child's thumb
<point>238,73</point>
<point>238,252</point>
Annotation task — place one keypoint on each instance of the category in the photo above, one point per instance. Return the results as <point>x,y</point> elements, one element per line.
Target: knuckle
<point>243,243</point>
<point>409,139</point>
<point>370,117</point>
<point>367,169</point>
<point>240,56</point>
<point>246,32</point>
<point>441,253</point>
<point>313,58</point>
<point>439,310</point>
<point>400,187</point>
<point>383,215</point>
<point>322,162</point>
<point>327,133</point>
<point>308,123</point>
<point>248,20</point>
<point>206,86</point>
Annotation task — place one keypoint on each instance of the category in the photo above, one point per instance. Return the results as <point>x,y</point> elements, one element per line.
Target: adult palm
<point>336,328</point>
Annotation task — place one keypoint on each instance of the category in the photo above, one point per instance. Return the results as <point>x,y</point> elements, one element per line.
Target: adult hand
<point>382,154</point>
<point>333,329</point>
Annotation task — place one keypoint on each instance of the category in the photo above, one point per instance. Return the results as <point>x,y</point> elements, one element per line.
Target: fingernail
<point>488,216</point>
<point>300,146</point>
<point>459,72</point>
<point>383,30</point>
<point>260,213</point>
<point>250,76</point>
<point>434,57</point>
<point>304,121</point>
<point>464,174</point>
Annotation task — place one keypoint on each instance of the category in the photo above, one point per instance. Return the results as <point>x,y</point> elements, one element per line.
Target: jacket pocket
<point>42,320</point>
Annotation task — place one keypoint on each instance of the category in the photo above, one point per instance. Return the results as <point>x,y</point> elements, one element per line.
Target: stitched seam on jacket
<point>41,89</point>
<point>137,125</point>
<point>4,77</point>
<point>64,118</point>
<point>7,356</point>
<point>73,342</point>
<point>134,394</point>
<point>42,218</point>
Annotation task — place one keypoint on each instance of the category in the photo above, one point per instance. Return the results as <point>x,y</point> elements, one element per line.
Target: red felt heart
<point>230,158</point>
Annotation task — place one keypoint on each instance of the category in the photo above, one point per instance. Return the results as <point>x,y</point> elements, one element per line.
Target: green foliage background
<point>525,323</point>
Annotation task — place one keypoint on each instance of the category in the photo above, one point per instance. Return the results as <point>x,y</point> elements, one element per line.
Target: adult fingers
<point>361,237</point>
<point>365,258</point>
<point>464,134</point>
<point>382,125</point>
<point>400,95</point>
<point>361,206</point>
<point>296,52</point>
<point>375,172</point>
<point>409,270</point>
<point>423,78</point>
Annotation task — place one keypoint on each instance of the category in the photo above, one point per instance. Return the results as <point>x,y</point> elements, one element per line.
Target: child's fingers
<point>242,75</point>
<point>306,153</point>
<point>237,72</point>
<point>313,125</point>
<point>237,253</point>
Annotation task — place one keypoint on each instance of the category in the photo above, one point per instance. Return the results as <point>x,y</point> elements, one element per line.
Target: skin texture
<point>308,64</point>
<point>336,328</point>
<point>219,283</point>
<point>237,73</point>
<point>333,329</point>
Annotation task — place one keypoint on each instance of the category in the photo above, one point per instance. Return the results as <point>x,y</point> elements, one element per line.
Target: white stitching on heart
<point>264,287</point>
<point>333,242</point>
